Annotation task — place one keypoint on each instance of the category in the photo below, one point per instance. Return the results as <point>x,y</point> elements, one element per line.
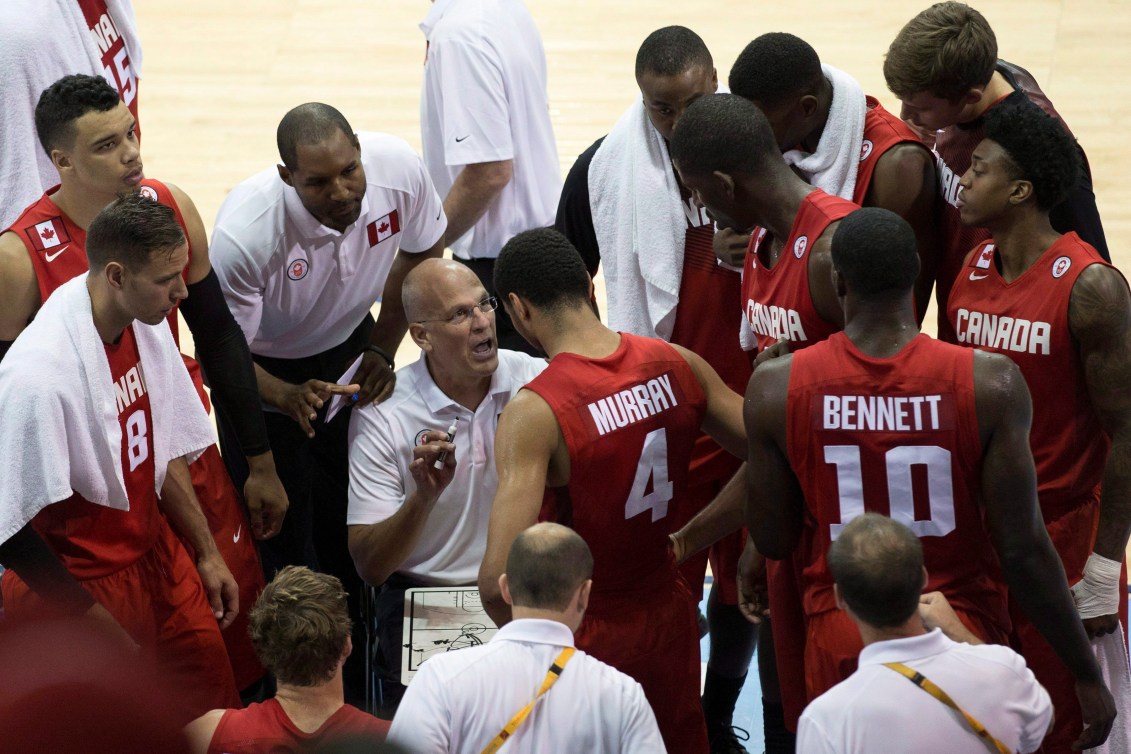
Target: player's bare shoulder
<point>1100,305</point>
<point>19,291</point>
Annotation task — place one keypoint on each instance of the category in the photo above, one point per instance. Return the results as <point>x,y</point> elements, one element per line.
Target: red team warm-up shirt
<point>76,529</point>
<point>898,437</point>
<point>778,303</point>
<point>630,421</point>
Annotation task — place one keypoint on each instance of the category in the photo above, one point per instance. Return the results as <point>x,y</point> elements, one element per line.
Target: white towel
<point>833,166</point>
<point>40,42</point>
<point>1111,654</point>
<point>60,416</point>
<point>640,225</point>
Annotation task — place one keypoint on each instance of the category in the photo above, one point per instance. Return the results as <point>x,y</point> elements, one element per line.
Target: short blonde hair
<point>299,626</point>
<point>946,50</point>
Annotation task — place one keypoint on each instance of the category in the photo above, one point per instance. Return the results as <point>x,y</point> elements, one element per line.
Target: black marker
<point>451,436</point>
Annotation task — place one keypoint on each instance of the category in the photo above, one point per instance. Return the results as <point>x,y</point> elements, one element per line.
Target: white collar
<point>536,631</point>
<point>435,13</point>
<point>437,400</point>
<point>910,648</point>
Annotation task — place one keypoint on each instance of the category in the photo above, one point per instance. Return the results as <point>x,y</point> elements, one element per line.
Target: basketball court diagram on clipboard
<point>441,619</point>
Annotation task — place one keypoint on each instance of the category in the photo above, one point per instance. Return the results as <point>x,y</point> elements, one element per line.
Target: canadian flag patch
<point>387,227</point>
<point>985,258</point>
<point>48,234</point>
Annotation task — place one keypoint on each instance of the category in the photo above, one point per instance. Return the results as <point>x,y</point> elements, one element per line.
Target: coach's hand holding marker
<point>451,437</point>
<point>433,466</point>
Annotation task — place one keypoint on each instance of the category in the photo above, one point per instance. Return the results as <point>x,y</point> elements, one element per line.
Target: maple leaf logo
<point>47,234</point>
<point>382,227</point>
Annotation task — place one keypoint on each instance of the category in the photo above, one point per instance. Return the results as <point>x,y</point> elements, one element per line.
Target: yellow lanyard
<point>924,683</point>
<point>551,678</point>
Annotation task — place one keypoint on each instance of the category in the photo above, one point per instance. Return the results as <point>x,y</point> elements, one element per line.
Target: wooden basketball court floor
<point>217,76</point>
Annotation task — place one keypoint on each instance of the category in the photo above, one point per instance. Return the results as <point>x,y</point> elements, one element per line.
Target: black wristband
<point>383,354</point>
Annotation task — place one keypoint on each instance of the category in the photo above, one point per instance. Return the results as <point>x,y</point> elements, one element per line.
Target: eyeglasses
<point>486,306</point>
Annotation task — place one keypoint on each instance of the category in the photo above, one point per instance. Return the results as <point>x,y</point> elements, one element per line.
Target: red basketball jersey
<point>58,252</point>
<point>882,131</point>
<point>1027,320</point>
<point>629,421</point>
<point>116,66</point>
<point>899,437</point>
<point>265,727</point>
<point>709,296</point>
<point>95,540</point>
<point>778,299</point>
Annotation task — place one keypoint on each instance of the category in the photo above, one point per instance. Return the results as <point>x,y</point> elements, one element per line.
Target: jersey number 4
<point>652,466</point>
<point>901,497</point>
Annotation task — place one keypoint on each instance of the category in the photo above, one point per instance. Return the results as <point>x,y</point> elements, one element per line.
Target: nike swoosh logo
<point>458,139</point>
<point>51,257</point>
<point>236,536</point>
<point>976,276</point>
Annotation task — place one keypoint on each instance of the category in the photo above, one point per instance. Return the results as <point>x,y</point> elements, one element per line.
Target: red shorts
<point>161,603</point>
<point>655,640</point>
<point>1072,535</point>
<point>229,525</point>
<point>788,624</point>
<point>832,646</point>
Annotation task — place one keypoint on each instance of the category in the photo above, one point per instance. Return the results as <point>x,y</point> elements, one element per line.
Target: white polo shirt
<point>485,99</point>
<point>877,709</point>
<point>459,701</point>
<point>298,288</point>
<point>382,437</point>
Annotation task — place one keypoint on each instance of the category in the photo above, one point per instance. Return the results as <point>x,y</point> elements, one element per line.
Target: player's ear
<point>726,181</point>
<point>839,600</point>
<point>285,174</point>
<point>808,105</point>
<point>925,577</point>
<point>60,159</point>
<point>113,272</point>
<point>1022,190</point>
<point>838,284</point>
<point>517,308</point>
<point>714,79</point>
<point>973,96</point>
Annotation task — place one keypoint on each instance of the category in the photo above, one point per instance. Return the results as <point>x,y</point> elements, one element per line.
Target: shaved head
<point>427,288</point>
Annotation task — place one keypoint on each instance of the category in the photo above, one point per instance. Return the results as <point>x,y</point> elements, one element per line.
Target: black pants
<point>315,474</point>
<point>505,333</point>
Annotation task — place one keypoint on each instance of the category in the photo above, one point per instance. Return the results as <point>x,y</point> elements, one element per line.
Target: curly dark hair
<point>774,67</point>
<point>67,100</point>
<point>543,267</point>
<point>1040,150</point>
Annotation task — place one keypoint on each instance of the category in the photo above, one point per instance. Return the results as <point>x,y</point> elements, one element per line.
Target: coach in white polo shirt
<point>459,702</point>
<point>877,567</point>
<point>303,251</point>
<point>410,523</point>
<point>485,121</point>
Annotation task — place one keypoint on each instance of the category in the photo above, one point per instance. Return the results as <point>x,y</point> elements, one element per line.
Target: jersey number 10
<point>901,497</point>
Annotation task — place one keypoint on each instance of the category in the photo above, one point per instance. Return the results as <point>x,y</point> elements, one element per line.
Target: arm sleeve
<point>28,556</point>
<point>1079,213</point>
<point>641,734</point>
<point>426,222</point>
<point>226,361</point>
<point>575,215</point>
<point>423,719</point>
<point>241,280</point>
